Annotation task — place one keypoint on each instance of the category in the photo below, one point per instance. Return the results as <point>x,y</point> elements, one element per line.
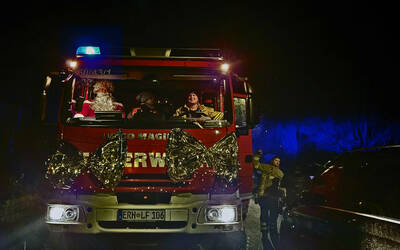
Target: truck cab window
<point>168,90</point>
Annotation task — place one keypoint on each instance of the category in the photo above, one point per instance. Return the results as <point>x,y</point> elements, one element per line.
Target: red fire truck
<point>165,188</point>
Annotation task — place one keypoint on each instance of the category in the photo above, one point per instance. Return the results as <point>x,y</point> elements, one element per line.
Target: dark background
<point>304,59</point>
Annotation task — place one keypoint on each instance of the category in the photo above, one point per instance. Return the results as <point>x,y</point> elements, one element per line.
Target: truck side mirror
<point>252,117</point>
<point>51,96</point>
<point>240,112</point>
<point>245,117</point>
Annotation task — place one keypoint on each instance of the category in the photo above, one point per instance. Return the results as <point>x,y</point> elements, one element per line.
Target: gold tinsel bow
<point>106,163</point>
<point>184,154</point>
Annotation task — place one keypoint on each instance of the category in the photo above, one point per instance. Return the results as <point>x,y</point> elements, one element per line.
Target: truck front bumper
<point>185,213</point>
<point>167,241</point>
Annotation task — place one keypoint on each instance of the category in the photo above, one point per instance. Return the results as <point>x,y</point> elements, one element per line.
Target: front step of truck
<point>228,241</point>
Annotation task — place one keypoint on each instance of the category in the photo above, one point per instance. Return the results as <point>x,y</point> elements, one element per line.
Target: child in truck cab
<point>193,109</point>
<point>103,101</point>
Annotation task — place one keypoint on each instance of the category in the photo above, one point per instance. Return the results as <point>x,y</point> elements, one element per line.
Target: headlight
<point>221,214</point>
<point>64,214</point>
<point>55,213</point>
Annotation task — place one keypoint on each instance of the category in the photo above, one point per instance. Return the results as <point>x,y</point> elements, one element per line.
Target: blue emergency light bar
<point>200,53</point>
<point>88,50</point>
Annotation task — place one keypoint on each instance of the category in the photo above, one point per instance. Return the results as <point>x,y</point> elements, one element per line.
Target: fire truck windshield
<point>143,98</point>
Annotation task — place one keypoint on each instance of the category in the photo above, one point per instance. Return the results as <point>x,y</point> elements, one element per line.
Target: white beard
<point>103,102</point>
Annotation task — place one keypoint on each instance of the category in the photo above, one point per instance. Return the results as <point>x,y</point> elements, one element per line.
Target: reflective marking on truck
<point>128,162</point>
<point>156,159</point>
<point>141,136</point>
<point>130,136</point>
<point>94,72</point>
<point>140,158</point>
<point>152,136</point>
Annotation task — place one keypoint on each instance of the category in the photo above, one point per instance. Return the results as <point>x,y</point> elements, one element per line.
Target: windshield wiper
<point>198,124</point>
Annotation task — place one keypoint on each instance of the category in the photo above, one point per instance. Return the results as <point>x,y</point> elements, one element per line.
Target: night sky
<point>303,58</point>
<point>319,61</point>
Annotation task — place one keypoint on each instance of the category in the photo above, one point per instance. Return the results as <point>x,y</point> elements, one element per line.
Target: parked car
<point>353,204</point>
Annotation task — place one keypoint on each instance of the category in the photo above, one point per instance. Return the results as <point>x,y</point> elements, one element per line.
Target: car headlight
<point>221,214</point>
<point>64,214</point>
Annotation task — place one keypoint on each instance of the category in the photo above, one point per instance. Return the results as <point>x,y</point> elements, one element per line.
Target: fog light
<point>57,213</point>
<point>221,214</point>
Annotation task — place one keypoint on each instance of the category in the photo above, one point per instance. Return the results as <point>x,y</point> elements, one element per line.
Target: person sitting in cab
<point>193,109</point>
<point>103,101</point>
<point>147,108</point>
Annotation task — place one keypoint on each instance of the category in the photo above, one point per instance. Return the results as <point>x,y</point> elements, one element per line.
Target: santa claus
<point>104,101</point>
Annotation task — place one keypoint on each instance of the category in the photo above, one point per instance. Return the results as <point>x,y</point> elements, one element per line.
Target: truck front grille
<point>143,198</point>
<point>146,176</point>
<point>152,184</point>
<point>150,180</point>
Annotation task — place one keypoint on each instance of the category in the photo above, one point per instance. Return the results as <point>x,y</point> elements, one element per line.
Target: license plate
<point>141,215</point>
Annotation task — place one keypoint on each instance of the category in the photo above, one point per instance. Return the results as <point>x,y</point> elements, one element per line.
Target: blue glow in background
<point>315,136</point>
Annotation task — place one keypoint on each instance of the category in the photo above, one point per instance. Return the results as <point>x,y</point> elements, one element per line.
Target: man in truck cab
<point>147,109</point>
<point>103,101</point>
<point>193,109</point>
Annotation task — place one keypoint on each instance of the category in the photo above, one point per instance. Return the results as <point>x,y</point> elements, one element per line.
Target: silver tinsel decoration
<point>106,163</point>
<point>185,154</point>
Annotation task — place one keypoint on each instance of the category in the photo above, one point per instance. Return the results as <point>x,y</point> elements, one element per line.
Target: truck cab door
<point>244,121</point>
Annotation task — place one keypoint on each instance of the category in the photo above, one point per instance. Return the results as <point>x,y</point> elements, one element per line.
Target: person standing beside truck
<point>193,109</point>
<point>103,101</point>
<point>269,197</point>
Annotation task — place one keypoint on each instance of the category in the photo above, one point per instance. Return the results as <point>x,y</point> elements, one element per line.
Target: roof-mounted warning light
<point>88,50</point>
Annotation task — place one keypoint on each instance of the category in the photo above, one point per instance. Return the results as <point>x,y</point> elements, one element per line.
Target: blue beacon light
<point>88,50</point>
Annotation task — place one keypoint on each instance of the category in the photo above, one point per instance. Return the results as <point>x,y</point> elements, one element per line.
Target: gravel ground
<point>252,225</point>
